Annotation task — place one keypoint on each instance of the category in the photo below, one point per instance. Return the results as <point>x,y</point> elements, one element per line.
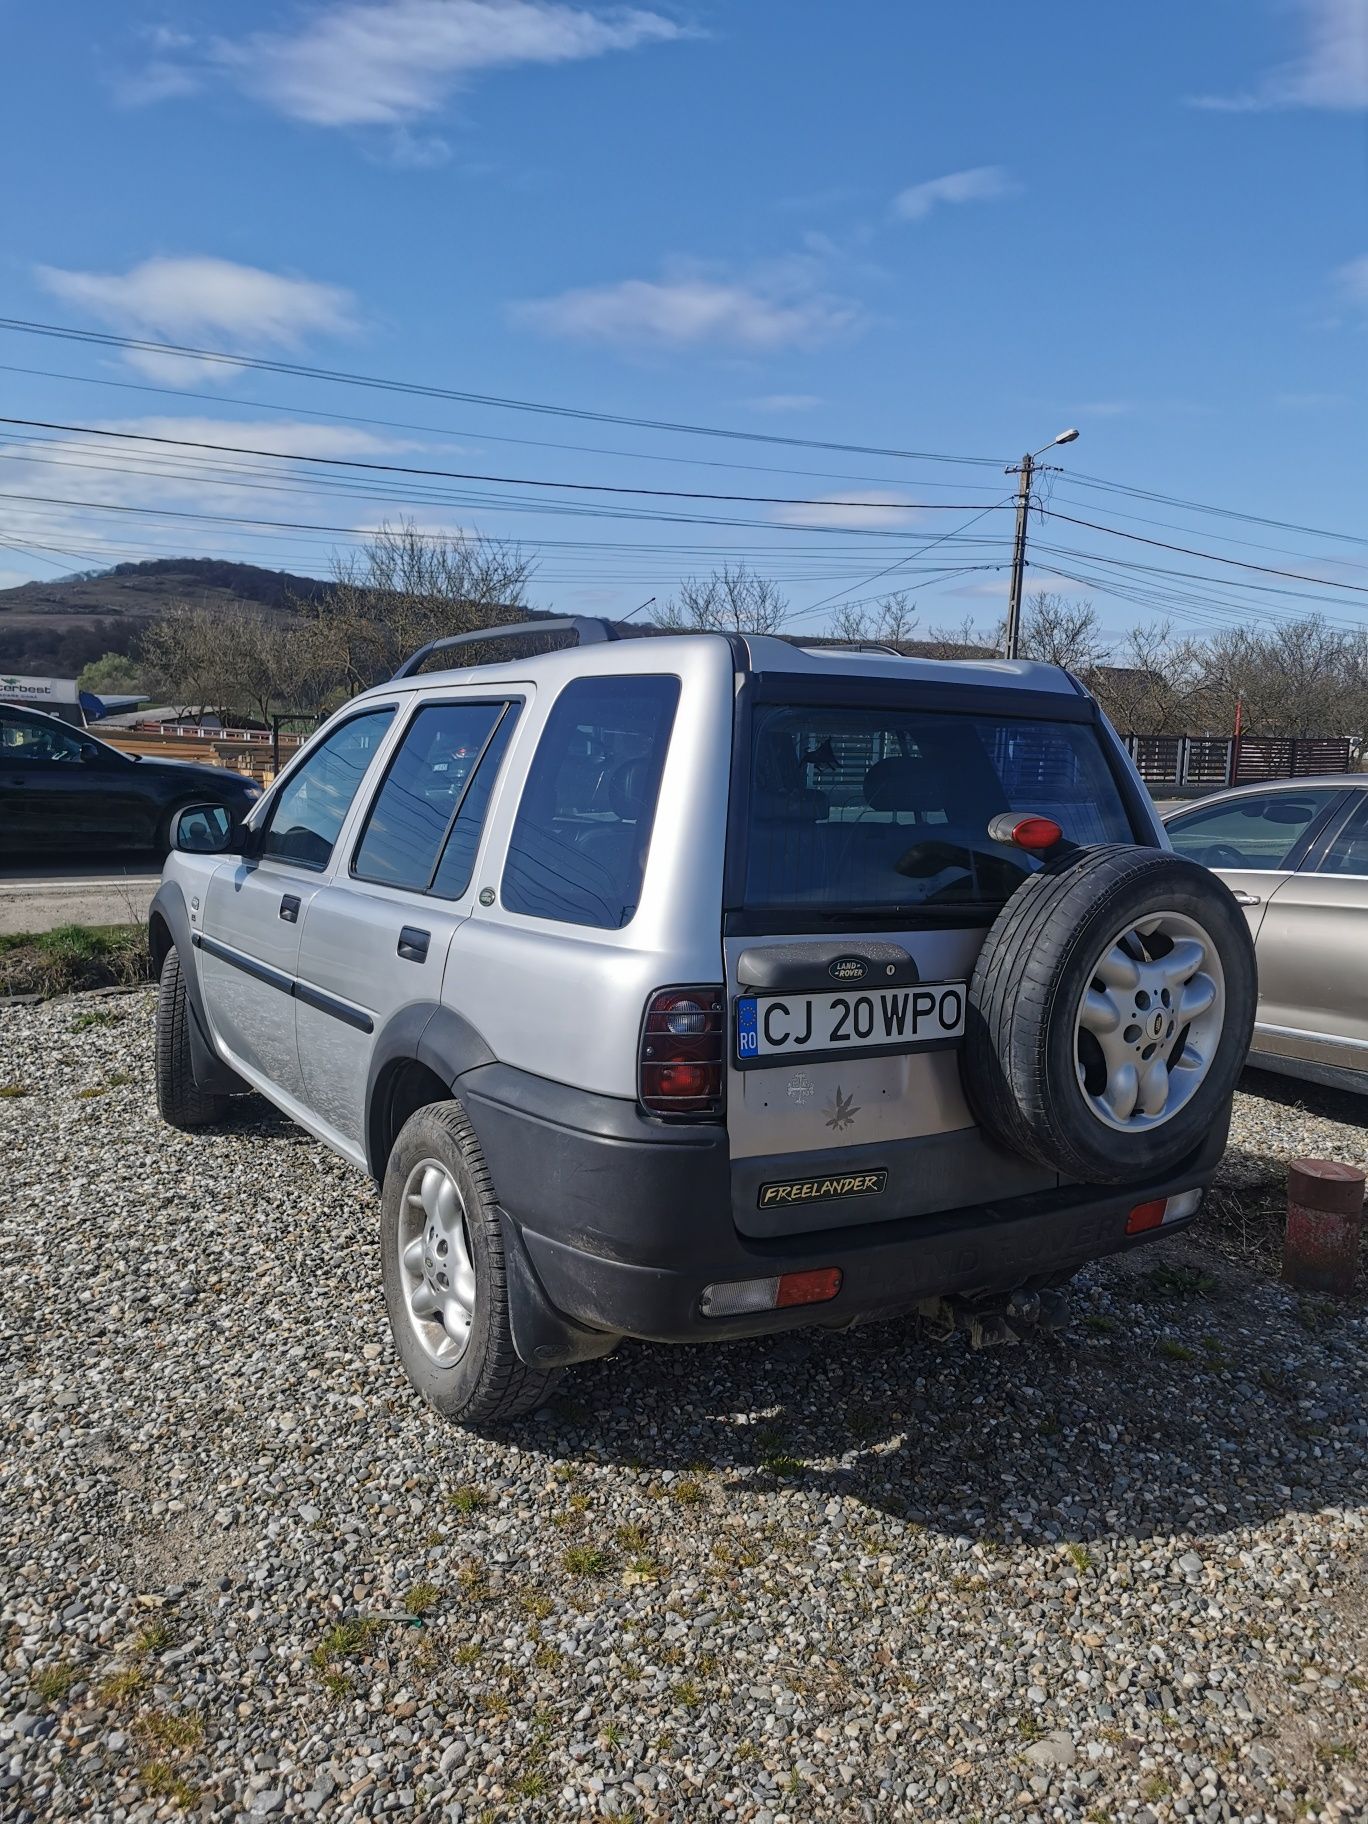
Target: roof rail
<point>849,646</point>
<point>589,630</point>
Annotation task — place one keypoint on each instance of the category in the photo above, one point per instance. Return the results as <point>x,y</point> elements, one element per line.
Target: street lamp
<point>1025,469</point>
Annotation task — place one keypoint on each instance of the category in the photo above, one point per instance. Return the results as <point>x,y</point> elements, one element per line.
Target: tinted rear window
<point>878,809</point>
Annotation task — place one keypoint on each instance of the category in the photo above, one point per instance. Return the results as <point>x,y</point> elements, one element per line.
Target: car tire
<point>1113,1077</point>
<point>466,1369</point>
<point>180,1102</point>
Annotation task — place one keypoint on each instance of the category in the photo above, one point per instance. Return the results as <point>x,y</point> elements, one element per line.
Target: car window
<point>21,739</point>
<point>1258,832</point>
<point>580,839</point>
<point>1348,853</point>
<point>422,791</point>
<point>866,808</point>
<point>314,800</point>
<point>458,857</point>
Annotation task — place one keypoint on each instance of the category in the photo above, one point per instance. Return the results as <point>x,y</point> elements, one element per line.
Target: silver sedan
<point>1295,854</point>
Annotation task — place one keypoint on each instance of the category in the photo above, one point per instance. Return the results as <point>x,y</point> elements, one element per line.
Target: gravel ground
<point>1116,1575</point>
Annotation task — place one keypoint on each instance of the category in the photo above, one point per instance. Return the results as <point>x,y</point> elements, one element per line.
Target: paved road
<point>41,891</point>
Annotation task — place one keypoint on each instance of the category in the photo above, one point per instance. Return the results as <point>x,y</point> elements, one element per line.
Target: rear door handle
<point>1246,899</point>
<point>289,908</point>
<point>413,944</point>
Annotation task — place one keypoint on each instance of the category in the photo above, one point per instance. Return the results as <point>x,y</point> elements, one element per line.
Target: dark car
<point>61,788</point>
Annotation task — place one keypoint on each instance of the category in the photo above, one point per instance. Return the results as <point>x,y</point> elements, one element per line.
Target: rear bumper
<point>621,1222</point>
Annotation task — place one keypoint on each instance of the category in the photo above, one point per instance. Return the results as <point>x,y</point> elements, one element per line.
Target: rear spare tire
<point>1110,1014</point>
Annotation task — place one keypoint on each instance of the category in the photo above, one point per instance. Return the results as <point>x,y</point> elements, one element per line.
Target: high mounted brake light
<point>1034,834</point>
<point>679,1070</point>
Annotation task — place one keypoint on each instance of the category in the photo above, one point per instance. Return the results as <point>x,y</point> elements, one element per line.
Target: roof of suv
<point>764,652</point>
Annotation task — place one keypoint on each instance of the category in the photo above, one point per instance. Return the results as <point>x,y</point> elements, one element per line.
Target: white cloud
<point>692,309</point>
<point>784,402</point>
<point>868,510</point>
<point>383,62</point>
<point>979,184</point>
<point>1330,72</point>
<point>202,299</point>
<point>157,479</point>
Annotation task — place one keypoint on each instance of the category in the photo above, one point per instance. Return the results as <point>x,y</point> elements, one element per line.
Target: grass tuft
<point>422,1598</point>
<point>586,1560</point>
<point>54,1682</point>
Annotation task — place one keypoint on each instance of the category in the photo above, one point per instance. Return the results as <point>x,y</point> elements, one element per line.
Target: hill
<point>53,628</point>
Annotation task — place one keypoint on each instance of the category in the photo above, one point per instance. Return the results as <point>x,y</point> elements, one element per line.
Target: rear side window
<point>316,797</point>
<point>579,843</point>
<point>424,791</point>
<point>863,809</point>
<point>1348,853</point>
<point>1258,832</point>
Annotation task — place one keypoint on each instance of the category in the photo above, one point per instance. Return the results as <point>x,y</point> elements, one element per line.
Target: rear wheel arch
<point>402,1086</point>
<point>160,942</point>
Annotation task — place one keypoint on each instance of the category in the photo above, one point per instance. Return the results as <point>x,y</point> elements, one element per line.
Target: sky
<point>920,232</point>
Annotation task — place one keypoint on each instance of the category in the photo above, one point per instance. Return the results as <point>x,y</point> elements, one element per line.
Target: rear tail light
<point>680,1066</point>
<point>1159,1210</point>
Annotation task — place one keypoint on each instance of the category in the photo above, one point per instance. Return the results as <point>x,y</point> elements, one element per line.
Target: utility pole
<point>1026,469</point>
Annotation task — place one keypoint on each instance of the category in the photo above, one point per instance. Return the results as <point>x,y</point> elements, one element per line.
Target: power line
<point>1197,506</point>
<point>1210,557</point>
<point>921,551</point>
<point>438,430</point>
<point>506,481</point>
<point>337,376</point>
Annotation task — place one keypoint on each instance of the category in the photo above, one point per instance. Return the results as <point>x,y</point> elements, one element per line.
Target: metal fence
<point>1214,760</point>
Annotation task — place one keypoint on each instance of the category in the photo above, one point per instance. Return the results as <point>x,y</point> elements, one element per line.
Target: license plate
<point>780,1025</point>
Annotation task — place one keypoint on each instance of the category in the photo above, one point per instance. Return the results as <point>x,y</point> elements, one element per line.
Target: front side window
<point>21,739</point>
<point>423,790</point>
<point>885,810</point>
<point>1348,853</point>
<point>314,801</point>
<point>1258,832</point>
<point>583,829</point>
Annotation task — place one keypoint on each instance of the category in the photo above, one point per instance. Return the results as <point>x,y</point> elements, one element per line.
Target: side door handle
<point>1242,898</point>
<point>413,944</point>
<point>289,908</point>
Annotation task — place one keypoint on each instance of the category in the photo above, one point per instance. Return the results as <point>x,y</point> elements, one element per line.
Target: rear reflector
<point>732,1298</point>
<point>1159,1210</point>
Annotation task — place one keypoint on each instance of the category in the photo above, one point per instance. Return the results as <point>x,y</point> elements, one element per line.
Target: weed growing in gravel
<point>1079,1554</point>
<point>1176,1351</point>
<point>586,1560</point>
<point>159,1729</point>
<point>156,1637</point>
<point>422,1598</point>
<point>535,1603</point>
<point>862,1422</point>
<point>10,1090</point>
<point>1100,1324</point>
<point>474,1584</point>
<point>161,1781</point>
<point>644,1567</point>
<point>96,1089</point>
<point>466,1654</point>
<point>343,1640</point>
<point>337,1684</point>
<point>547,1656</point>
<point>94,1016</point>
<point>1153,1789</point>
<point>467,1498</point>
<point>120,1685</point>
<point>687,1491</point>
<point>781,1465</point>
<point>1172,1281</point>
<point>54,1682</point>
<point>530,1785</point>
<point>610,1735</point>
<point>687,1694</point>
<point>117,1079</point>
<point>632,1538</point>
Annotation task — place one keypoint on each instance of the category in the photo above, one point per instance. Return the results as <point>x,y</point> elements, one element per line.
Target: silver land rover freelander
<point>690,988</point>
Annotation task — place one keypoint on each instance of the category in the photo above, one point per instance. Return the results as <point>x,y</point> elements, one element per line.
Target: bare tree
<point>1062,632</point>
<point>1149,685</point>
<point>406,587</point>
<point>732,600</point>
<point>233,662</point>
<point>889,622</point>
<point>966,641</point>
